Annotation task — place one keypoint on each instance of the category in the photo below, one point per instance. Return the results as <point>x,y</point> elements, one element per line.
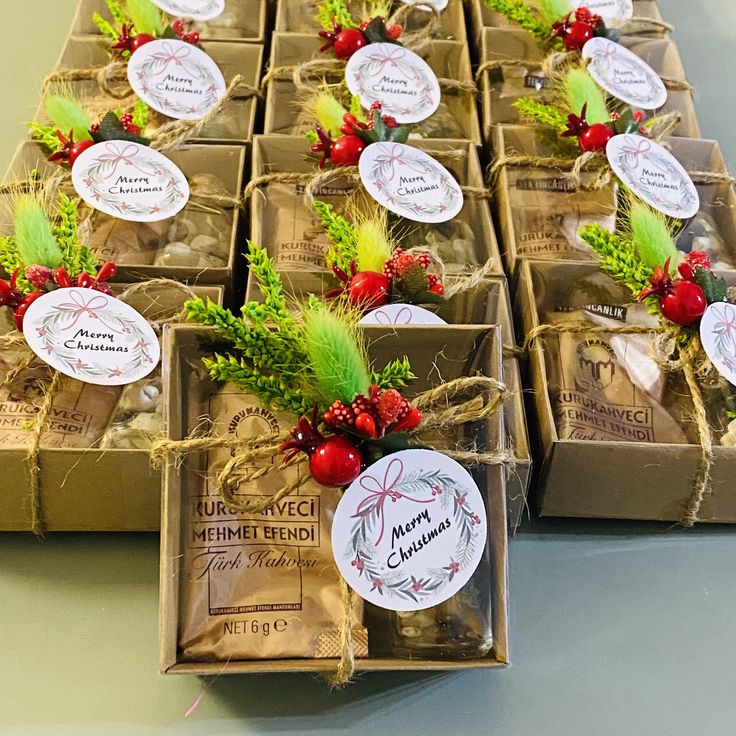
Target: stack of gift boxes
<point>252,178</point>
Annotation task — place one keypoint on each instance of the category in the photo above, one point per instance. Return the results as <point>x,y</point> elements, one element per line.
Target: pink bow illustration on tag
<point>635,147</point>
<point>391,56</point>
<point>379,492</point>
<point>603,53</point>
<point>402,317</point>
<point>80,306</point>
<point>123,154</point>
<point>724,330</point>
<point>170,54</point>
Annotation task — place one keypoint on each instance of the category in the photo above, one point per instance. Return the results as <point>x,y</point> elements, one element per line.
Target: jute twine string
<point>112,78</point>
<point>684,359</point>
<point>418,39</point>
<point>438,410</point>
<point>638,25</point>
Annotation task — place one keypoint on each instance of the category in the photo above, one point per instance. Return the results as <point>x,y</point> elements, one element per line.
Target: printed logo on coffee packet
<point>194,9</point>
<point>410,530</point>
<point>91,336</point>
<point>176,79</point>
<point>596,365</point>
<point>401,314</point>
<point>401,81</point>
<point>718,336</point>
<point>409,182</point>
<point>624,75</point>
<point>130,181</point>
<point>654,175</point>
<point>609,10</point>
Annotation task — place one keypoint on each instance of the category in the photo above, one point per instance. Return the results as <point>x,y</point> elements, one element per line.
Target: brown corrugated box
<point>228,162</point>
<point>613,480</point>
<point>480,348</point>
<point>448,59</point>
<point>89,489</point>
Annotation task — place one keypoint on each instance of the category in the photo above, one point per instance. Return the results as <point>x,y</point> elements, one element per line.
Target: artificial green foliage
<point>519,12</point>
<point>379,8</point>
<point>45,135</point>
<point>714,287</point>
<point>311,137</point>
<point>356,108</point>
<point>580,89</point>
<point>336,355</point>
<point>146,17</point>
<point>111,129</point>
<point>342,234</point>
<point>651,236</point>
<point>269,284</point>
<point>412,288</point>
<point>76,257</point>
<point>105,27</point>
<point>395,374</point>
<point>141,113</point>
<point>546,115</point>
<point>553,10</point>
<point>336,10</point>
<point>68,117</point>
<point>34,238</point>
<point>115,7</point>
<point>618,257</point>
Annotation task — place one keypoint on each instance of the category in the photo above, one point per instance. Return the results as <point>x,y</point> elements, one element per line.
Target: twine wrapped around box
<point>442,406</point>
<point>670,356</point>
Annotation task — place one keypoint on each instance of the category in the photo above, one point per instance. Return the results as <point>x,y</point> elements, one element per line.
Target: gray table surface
<point>617,629</point>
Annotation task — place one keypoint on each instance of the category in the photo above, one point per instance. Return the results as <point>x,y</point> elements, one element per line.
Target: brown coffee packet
<point>608,387</point>
<point>259,585</point>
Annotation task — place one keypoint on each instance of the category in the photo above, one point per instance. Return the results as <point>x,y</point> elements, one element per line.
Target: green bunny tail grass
<point>342,235</point>
<point>546,115</point>
<point>356,108</point>
<point>68,116</point>
<point>379,8</point>
<point>517,11</point>
<point>651,236</point>
<point>579,89</point>
<point>373,244</point>
<point>34,238</point>
<point>553,10</point>
<point>337,10</point>
<point>146,17</point>
<point>337,356</point>
<point>328,112</point>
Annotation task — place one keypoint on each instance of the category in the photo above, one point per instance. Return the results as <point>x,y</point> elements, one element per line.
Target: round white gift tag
<point>718,336</point>
<point>401,314</point>
<point>194,9</point>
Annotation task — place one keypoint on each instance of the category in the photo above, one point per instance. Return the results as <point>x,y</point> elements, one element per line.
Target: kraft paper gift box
<point>503,84</point>
<point>242,20</point>
<point>235,123</point>
<point>540,211</point>
<point>486,303</point>
<point>457,116</point>
<point>479,350</point>
<point>84,487</point>
<point>283,222</point>
<point>140,249</point>
<point>480,17</point>
<point>300,17</point>
<point>624,479</point>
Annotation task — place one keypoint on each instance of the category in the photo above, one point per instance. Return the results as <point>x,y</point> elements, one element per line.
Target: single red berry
<point>686,271</point>
<point>191,37</point>
<point>369,289</point>
<point>595,137</point>
<point>347,42</point>
<point>22,308</point>
<point>6,292</point>
<point>335,462</point>
<point>85,280</point>
<point>576,35</point>
<point>437,288</point>
<point>77,149</point>
<point>684,303</point>
<point>409,422</point>
<point>366,424</point>
<point>346,150</point>
<point>394,32</point>
<point>140,40</point>
<point>107,271</point>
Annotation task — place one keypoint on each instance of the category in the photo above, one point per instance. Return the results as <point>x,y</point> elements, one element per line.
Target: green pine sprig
<point>105,27</point>
<point>45,135</point>
<point>76,256</point>
<point>547,115</point>
<point>141,113</point>
<point>115,8</point>
<point>618,257</point>
<point>395,374</point>
<point>344,248</point>
<point>337,10</point>
<point>518,12</point>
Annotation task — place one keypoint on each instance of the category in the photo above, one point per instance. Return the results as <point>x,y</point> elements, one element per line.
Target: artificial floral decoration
<point>372,269</point>
<point>312,363</point>
<point>641,254</point>
<point>354,134</point>
<point>45,253</point>
<point>71,131</point>
<point>575,90</point>
<point>555,22</point>
<point>136,23</point>
<point>344,36</point>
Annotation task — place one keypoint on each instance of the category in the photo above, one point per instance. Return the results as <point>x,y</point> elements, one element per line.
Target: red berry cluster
<point>346,41</point>
<point>45,279</point>
<point>577,28</point>
<point>401,263</point>
<point>128,42</point>
<point>375,415</point>
<point>681,300</point>
<point>181,31</point>
<point>392,32</point>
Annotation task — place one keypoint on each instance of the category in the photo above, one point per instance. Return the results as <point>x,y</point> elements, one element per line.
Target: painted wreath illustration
<point>422,488</point>
<point>181,58</point>
<point>55,329</point>
<point>147,162</point>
